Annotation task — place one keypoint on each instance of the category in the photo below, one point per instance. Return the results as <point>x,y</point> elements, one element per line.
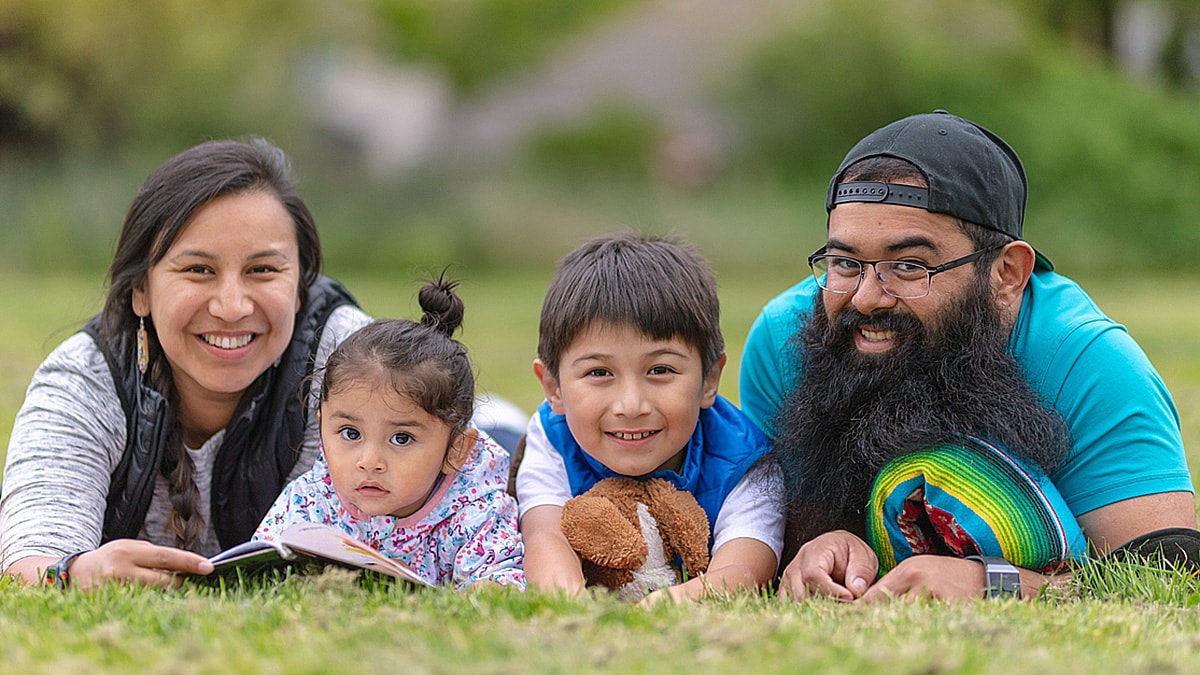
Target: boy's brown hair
<point>659,284</point>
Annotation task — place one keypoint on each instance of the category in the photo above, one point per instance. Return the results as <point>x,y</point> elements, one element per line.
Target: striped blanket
<point>970,498</point>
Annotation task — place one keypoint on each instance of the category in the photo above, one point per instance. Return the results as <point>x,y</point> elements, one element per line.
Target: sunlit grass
<point>1112,618</point>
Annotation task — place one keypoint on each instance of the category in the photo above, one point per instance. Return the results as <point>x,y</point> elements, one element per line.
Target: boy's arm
<point>550,562</point>
<point>748,536</point>
<point>739,564</point>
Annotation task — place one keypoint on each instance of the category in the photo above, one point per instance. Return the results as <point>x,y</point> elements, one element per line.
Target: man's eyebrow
<point>915,241</point>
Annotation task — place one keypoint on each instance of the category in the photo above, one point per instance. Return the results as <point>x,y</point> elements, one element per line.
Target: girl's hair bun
<point>442,308</point>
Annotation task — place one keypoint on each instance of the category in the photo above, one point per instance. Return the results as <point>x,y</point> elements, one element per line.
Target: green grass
<point>1112,619</point>
<point>329,623</point>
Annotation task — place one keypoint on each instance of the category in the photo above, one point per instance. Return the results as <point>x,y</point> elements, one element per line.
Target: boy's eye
<point>401,438</point>
<point>349,433</point>
<point>597,372</point>
<point>661,370</point>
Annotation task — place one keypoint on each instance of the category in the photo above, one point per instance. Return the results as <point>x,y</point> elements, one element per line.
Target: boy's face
<point>631,402</point>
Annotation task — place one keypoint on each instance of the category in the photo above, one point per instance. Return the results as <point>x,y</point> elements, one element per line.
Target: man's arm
<point>1110,526</point>
<point>948,578</point>
<point>840,565</point>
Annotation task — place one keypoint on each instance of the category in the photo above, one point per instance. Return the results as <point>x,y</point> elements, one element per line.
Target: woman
<point>162,432</point>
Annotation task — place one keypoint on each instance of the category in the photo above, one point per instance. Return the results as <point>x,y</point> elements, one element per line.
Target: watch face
<point>54,576</point>
<point>57,575</point>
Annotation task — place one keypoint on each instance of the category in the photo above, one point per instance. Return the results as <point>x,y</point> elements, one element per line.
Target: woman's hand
<point>124,560</point>
<point>136,561</point>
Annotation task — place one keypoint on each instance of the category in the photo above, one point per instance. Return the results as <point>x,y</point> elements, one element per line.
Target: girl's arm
<point>550,562</point>
<point>493,553</point>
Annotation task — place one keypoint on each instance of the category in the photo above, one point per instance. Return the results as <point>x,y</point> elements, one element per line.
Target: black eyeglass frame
<point>822,254</point>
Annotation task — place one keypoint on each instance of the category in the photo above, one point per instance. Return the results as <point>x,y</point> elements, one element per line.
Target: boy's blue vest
<point>723,447</point>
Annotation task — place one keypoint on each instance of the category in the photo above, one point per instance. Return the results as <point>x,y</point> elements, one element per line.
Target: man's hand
<point>930,576</point>
<point>836,564</point>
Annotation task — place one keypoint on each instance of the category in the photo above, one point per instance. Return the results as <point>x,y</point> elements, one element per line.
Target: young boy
<point>630,354</point>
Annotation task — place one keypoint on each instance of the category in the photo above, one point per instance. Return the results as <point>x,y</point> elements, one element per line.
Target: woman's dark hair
<point>421,361</point>
<point>166,203</point>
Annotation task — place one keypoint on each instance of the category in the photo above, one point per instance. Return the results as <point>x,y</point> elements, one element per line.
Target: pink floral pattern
<point>467,532</point>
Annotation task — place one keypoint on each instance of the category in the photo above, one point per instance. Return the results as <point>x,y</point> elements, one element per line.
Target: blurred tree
<point>476,41</point>
<point>94,74</point>
<point>1097,25</point>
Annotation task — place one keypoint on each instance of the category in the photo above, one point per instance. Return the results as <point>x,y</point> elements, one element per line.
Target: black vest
<point>262,440</point>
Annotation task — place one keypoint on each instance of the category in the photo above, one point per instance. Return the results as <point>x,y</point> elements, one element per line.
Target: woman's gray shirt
<point>68,438</point>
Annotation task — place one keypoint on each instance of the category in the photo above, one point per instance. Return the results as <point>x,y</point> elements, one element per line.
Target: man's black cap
<point>972,173</point>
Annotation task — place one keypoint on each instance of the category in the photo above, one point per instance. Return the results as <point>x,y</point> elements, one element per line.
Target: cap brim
<point>1041,261</point>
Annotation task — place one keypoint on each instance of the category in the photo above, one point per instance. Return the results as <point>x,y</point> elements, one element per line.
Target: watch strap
<point>1001,579</point>
<point>57,575</point>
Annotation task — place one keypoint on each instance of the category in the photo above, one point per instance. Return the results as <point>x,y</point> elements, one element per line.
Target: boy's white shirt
<point>753,509</point>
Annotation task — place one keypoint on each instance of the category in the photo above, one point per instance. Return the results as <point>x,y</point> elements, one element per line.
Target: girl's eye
<point>196,269</point>
<point>401,438</point>
<point>349,433</point>
<point>262,269</point>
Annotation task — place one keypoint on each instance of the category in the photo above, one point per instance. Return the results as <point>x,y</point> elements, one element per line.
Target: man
<point>929,315</point>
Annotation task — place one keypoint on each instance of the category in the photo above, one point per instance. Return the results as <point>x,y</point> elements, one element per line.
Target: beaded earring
<point>143,351</point>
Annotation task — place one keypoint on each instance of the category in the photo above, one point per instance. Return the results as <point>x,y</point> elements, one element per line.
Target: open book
<point>304,545</point>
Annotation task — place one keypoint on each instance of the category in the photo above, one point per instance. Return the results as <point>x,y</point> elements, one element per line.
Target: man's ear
<point>712,381</point>
<point>550,386</point>
<point>460,449</point>
<point>1010,274</point>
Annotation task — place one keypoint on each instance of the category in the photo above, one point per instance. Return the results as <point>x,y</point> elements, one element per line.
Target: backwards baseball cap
<point>972,173</point>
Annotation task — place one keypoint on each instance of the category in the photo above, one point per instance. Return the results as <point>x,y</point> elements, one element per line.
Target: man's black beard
<point>851,412</point>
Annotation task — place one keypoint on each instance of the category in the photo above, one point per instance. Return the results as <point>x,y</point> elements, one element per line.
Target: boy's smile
<point>632,402</point>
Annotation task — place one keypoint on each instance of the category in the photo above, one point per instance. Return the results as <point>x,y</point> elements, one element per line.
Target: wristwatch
<point>57,575</point>
<point>1001,579</point>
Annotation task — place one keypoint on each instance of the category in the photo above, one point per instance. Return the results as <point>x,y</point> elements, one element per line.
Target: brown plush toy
<point>627,533</point>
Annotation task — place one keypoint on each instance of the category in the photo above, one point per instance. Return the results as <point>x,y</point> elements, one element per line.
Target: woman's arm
<point>125,560</point>
<point>66,440</point>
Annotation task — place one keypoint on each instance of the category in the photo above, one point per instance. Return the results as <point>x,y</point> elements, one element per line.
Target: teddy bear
<point>628,533</point>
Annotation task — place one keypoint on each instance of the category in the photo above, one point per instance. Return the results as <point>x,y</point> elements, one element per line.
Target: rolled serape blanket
<point>970,497</point>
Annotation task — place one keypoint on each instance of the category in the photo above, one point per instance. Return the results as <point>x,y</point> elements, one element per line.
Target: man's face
<point>869,231</point>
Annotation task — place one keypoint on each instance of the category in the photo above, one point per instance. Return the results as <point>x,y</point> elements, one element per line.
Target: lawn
<point>1115,620</point>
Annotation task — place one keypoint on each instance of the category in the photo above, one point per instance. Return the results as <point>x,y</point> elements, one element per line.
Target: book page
<point>322,541</point>
<point>252,557</point>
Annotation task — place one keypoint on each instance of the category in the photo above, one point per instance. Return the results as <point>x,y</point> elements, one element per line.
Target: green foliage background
<point>94,94</point>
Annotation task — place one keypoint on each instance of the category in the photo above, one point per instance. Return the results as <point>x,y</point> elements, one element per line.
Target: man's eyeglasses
<point>906,279</point>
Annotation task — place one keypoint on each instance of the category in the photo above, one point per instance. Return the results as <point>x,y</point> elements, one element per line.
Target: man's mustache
<point>849,320</point>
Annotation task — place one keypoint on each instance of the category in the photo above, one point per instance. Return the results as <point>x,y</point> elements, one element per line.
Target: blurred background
<point>495,135</point>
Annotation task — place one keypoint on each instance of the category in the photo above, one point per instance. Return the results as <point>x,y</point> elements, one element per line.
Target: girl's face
<point>384,451</point>
<point>223,300</point>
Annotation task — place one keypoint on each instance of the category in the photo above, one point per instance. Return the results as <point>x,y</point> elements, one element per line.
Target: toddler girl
<point>400,469</point>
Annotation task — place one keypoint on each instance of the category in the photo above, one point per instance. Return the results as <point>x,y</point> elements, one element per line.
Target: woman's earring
<point>143,351</point>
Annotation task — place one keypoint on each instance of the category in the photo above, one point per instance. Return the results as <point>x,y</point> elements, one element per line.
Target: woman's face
<point>224,297</point>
